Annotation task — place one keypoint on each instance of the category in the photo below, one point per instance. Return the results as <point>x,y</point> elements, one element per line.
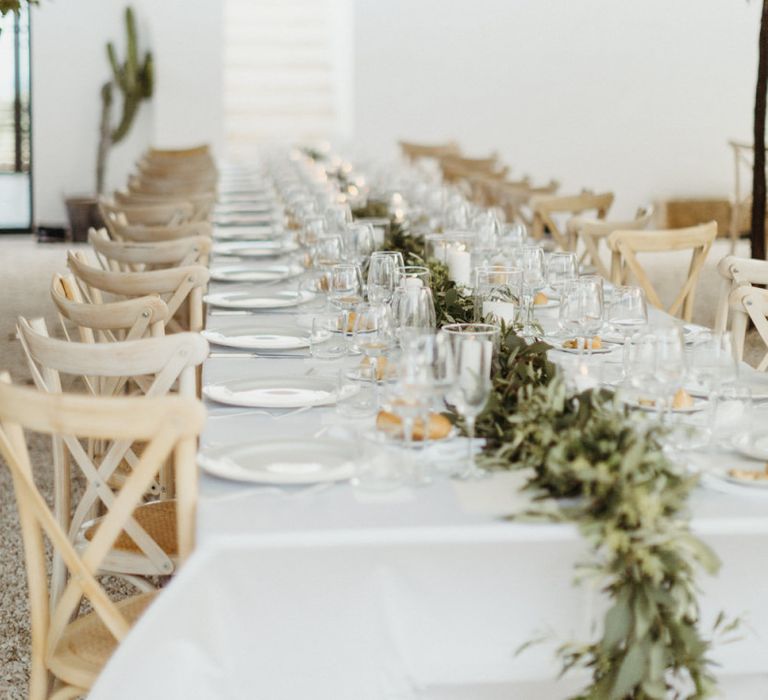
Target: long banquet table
<point>421,592</point>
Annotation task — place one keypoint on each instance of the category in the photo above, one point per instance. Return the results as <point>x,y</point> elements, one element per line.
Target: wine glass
<point>328,251</point>
<point>473,346</point>
<point>532,266</point>
<point>561,268</point>
<point>337,217</point>
<point>415,310</point>
<point>592,308</point>
<point>374,334</point>
<point>512,237</point>
<point>359,242</point>
<point>382,276</point>
<point>346,290</point>
<point>657,366</point>
<point>628,313</point>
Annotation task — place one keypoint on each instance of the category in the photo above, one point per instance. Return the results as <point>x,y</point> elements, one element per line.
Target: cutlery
<point>272,355</point>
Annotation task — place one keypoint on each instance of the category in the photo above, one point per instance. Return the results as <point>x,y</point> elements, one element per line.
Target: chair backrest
<point>168,427</point>
<point>152,234</point>
<point>165,214</point>
<point>180,187</point>
<point>736,272</point>
<point>107,367</point>
<point>203,203</point>
<point>546,207</point>
<point>747,303</point>
<point>591,231</point>
<point>175,285</point>
<point>512,196</point>
<point>130,256</point>
<point>416,151</point>
<point>625,245</point>
<point>130,319</point>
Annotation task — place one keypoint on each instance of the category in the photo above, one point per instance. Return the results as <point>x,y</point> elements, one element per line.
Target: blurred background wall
<point>638,97</point>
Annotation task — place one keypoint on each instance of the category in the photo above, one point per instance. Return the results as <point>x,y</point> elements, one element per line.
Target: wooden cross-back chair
<point>512,196</point>
<point>736,272</point>
<point>625,245</point>
<point>69,649</point>
<point>544,209</point>
<point>202,204</point>
<point>456,168</point>
<point>747,303</point>
<point>130,256</point>
<point>165,365</point>
<point>591,232</point>
<point>152,234</point>
<point>180,287</point>
<point>129,319</point>
<point>416,151</point>
<point>177,186</point>
<point>167,214</point>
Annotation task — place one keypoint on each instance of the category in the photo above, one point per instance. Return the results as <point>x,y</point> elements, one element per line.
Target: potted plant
<point>134,79</point>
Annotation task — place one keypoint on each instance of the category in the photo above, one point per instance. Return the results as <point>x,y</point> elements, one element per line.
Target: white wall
<point>69,65</point>
<point>637,97</point>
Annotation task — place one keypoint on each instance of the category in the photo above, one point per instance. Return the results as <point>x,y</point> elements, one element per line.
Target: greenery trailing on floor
<point>628,500</point>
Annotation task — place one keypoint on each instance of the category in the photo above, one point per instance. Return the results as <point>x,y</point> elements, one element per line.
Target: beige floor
<point>26,269</point>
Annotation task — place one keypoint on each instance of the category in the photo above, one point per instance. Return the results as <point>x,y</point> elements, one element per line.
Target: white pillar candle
<point>460,267</point>
<point>502,310</point>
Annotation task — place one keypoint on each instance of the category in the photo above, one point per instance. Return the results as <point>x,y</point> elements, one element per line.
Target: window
<point>15,122</point>
<point>286,73</point>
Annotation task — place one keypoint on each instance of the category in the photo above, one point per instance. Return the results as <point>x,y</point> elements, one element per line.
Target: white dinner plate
<point>247,273</point>
<point>244,207</point>
<point>551,304</point>
<point>274,392</point>
<point>281,461</point>
<point>255,249</point>
<point>265,232</point>
<point>244,219</point>
<point>269,338</point>
<point>255,300</point>
<point>754,445</point>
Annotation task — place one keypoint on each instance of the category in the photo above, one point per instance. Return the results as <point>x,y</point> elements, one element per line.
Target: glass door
<point>15,123</point>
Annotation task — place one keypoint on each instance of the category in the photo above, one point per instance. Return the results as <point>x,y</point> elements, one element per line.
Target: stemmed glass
<point>712,368</point>
<point>426,371</point>
<point>359,243</point>
<point>561,268</point>
<point>328,251</point>
<point>374,334</point>
<point>473,346</point>
<point>658,366</point>
<point>346,290</point>
<point>531,260</point>
<point>415,311</point>
<point>383,275</point>
<point>581,309</point>
<point>512,237</point>
<point>628,313</point>
<point>592,308</point>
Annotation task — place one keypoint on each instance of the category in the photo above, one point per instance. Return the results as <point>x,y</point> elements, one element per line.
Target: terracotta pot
<point>83,213</point>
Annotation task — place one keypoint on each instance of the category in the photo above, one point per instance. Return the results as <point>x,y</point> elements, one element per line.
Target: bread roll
<point>439,426</point>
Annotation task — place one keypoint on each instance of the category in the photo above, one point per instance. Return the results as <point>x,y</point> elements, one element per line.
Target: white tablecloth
<point>425,592</point>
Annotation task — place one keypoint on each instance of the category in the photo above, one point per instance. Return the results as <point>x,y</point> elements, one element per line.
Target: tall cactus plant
<point>134,80</point>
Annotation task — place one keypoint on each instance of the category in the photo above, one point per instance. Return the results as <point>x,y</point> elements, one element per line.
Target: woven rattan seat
<point>86,644</point>
<point>157,518</point>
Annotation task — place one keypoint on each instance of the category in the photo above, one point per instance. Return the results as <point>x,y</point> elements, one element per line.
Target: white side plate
<point>273,392</point>
<point>251,300</point>
<point>269,338</point>
<point>281,462</point>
